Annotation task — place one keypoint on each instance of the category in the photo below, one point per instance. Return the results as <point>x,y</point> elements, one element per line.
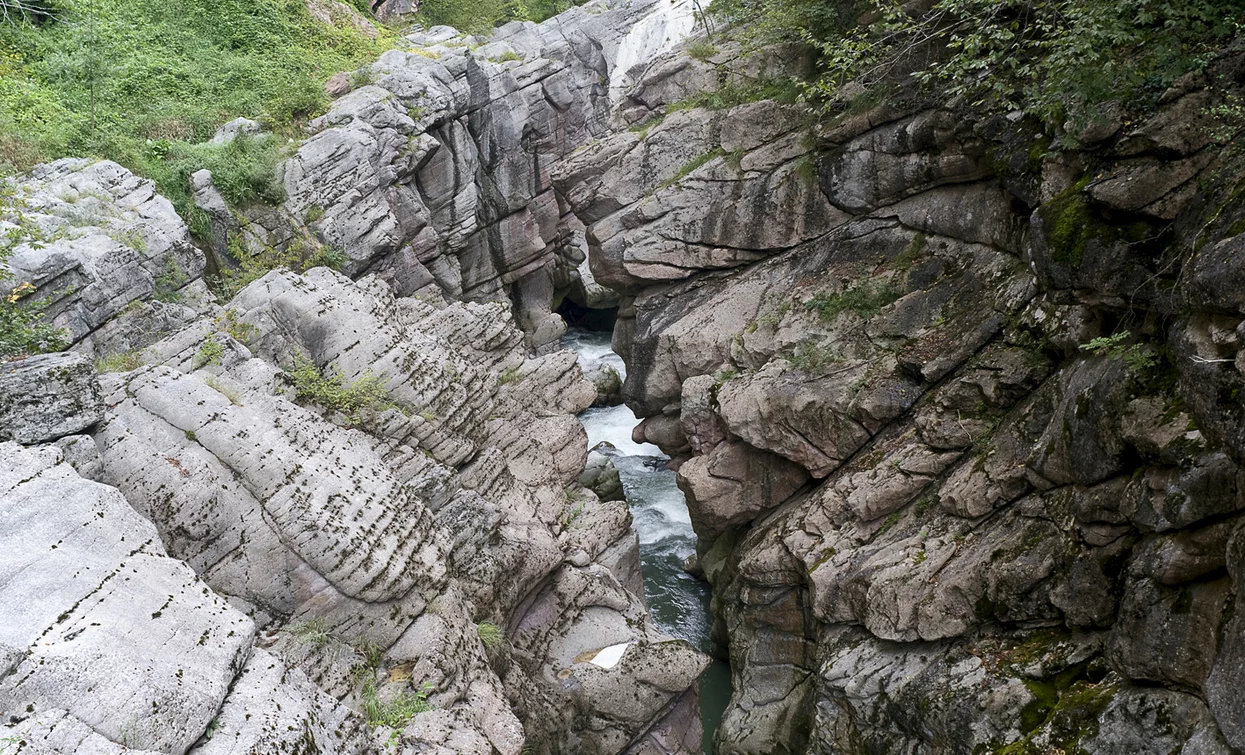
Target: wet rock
<point>608,384</point>
<point>601,477</point>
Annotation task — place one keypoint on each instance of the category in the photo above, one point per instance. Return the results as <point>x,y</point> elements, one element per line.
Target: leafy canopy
<point>1056,59</point>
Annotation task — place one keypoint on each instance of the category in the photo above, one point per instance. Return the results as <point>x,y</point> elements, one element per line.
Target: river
<point>678,601</point>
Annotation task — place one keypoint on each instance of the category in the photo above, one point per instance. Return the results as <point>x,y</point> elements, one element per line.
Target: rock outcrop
<point>354,504</point>
<point>937,514</point>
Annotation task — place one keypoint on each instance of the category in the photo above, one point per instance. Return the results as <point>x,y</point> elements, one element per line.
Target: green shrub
<point>210,352</point>
<point>23,328</point>
<point>332,391</point>
<point>168,284</point>
<point>1056,59</point>
<point>139,81</point>
<point>490,634</point>
<point>299,256</point>
<point>242,332</point>
<point>865,300</point>
<point>479,16</point>
<point>702,50</point>
<point>398,711</point>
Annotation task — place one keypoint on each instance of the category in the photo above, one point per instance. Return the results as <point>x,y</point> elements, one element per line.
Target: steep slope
<point>956,418</point>
<point>372,482</point>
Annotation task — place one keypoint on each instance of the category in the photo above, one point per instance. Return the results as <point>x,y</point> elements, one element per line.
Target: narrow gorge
<point>584,391</point>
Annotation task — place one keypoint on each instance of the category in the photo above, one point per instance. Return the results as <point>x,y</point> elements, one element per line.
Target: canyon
<point>955,413</point>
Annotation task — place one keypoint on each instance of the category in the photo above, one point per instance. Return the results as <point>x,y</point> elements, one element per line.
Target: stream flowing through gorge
<point>678,601</point>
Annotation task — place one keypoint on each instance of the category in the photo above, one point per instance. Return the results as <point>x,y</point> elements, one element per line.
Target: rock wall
<point>432,170</point>
<point>937,514</point>
<point>336,513</point>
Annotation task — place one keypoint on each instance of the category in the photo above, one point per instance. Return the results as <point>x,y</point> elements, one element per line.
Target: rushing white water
<point>671,22</point>
<point>678,601</point>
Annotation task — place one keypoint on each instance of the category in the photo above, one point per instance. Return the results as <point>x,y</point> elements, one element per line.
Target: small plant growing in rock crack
<point>314,633</point>
<point>691,166</point>
<point>332,391</point>
<point>242,332</point>
<point>810,356</point>
<point>865,300</point>
<point>398,710</point>
<point>216,385</point>
<point>313,214</point>
<point>511,375</point>
<point>168,284</point>
<point>209,353</point>
<point>702,50</point>
<point>299,256</point>
<point>121,361</point>
<point>1138,357</point>
<point>490,634</point>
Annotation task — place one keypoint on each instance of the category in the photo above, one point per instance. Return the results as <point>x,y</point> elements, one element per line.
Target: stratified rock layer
<point>937,515</point>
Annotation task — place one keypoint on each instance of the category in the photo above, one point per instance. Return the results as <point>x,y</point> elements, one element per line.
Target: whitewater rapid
<point>678,602</point>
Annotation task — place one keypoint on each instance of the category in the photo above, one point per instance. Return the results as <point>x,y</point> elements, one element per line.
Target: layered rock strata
<point>955,412</point>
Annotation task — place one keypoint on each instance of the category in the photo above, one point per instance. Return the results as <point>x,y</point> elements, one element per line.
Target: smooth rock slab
<point>95,618</point>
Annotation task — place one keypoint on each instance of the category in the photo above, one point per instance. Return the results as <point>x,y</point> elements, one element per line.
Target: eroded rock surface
<point>936,517</point>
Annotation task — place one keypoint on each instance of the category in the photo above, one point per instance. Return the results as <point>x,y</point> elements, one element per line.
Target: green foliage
<point>298,256</point>
<point>865,300</point>
<point>23,328</point>
<point>692,165</point>
<point>398,711</point>
<point>1140,358</point>
<point>480,16</point>
<point>1056,59</point>
<point>209,353</point>
<point>314,633</point>
<point>169,282</point>
<point>810,357</point>
<point>730,95</point>
<point>139,81</point>
<point>508,376</point>
<point>242,332</point>
<point>332,391</point>
<point>702,50</point>
<point>122,361</point>
<point>490,634</point>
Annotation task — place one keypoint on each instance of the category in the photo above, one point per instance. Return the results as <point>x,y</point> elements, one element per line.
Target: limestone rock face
<point>436,175</point>
<point>938,515</point>
<point>46,397</point>
<point>94,238</point>
<point>110,645</point>
<point>367,541</point>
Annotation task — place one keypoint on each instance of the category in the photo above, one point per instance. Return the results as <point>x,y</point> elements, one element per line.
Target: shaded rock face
<point>933,521</point>
<point>434,175</point>
<point>358,508</point>
<point>47,397</point>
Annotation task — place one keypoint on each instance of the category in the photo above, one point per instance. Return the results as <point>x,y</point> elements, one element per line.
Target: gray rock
<point>46,397</point>
<point>102,624</point>
<point>105,239</point>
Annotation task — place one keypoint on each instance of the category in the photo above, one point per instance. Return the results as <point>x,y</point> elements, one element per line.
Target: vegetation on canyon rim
<point>1055,59</point>
<point>146,83</point>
